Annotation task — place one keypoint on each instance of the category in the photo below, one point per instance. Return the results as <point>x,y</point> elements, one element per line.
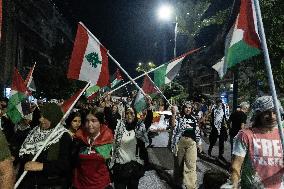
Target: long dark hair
<point>71,117</point>
<point>98,114</point>
<point>131,126</point>
<point>183,107</point>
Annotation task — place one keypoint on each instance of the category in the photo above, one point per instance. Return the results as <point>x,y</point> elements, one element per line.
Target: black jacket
<point>56,166</point>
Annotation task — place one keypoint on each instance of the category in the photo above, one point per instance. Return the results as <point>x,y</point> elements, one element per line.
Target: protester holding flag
<point>53,165</point>
<point>92,144</point>
<point>111,115</point>
<point>186,137</point>
<point>129,151</point>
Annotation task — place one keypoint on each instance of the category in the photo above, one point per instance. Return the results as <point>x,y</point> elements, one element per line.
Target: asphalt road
<point>159,176</point>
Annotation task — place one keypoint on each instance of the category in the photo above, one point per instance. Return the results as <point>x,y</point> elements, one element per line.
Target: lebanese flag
<point>242,41</point>
<point>89,60</point>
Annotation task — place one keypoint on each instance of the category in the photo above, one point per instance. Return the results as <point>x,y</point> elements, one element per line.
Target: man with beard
<point>257,152</point>
<point>185,137</point>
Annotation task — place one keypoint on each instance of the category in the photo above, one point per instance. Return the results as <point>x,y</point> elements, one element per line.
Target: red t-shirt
<point>263,164</point>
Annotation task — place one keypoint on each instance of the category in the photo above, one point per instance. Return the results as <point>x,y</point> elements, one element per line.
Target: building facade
<point>199,77</point>
<point>32,31</point>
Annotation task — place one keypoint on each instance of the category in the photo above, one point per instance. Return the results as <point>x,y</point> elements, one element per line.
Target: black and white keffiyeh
<point>265,103</point>
<point>140,133</point>
<point>36,138</point>
<point>219,114</point>
<point>183,123</point>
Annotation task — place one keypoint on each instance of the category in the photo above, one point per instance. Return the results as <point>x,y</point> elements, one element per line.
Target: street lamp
<point>165,13</point>
<point>145,67</point>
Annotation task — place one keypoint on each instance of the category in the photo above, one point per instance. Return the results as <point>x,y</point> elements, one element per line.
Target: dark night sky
<point>129,29</point>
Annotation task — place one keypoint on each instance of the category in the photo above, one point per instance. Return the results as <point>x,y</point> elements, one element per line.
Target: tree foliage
<point>253,75</point>
<point>175,91</point>
<point>192,17</point>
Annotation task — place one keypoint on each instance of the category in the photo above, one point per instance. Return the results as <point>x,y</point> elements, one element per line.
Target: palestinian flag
<point>89,60</point>
<point>220,67</point>
<point>242,41</point>
<point>92,92</point>
<point>116,79</point>
<point>18,96</point>
<point>169,71</point>
<point>149,89</point>
<point>68,103</point>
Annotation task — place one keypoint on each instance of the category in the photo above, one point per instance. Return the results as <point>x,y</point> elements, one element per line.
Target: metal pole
<point>159,90</point>
<point>138,77</point>
<point>139,88</point>
<point>269,70</point>
<point>175,40</point>
<point>185,54</point>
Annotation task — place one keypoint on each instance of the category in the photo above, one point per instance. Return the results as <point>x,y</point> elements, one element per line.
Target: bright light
<point>139,64</point>
<point>165,12</point>
<point>7,92</point>
<point>150,63</point>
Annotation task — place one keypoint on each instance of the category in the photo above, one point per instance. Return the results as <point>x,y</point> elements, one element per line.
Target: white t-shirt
<point>127,150</point>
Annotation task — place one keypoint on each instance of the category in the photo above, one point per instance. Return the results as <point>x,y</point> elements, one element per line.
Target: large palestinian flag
<point>242,41</point>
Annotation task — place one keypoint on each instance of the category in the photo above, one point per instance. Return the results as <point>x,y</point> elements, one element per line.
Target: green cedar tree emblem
<point>93,59</point>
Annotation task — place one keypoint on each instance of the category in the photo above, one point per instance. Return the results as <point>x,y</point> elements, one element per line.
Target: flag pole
<point>269,70</point>
<point>50,135</point>
<point>115,61</point>
<point>28,81</point>
<point>139,88</point>
<point>138,77</point>
<point>159,90</point>
<point>150,71</point>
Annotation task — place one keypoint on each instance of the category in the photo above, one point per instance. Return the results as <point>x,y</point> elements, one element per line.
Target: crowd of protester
<point>103,144</point>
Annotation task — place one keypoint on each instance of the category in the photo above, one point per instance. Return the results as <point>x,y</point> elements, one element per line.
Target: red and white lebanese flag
<point>89,60</point>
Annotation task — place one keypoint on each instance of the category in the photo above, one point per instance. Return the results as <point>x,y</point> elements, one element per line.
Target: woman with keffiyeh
<point>185,140</point>
<point>129,153</point>
<point>51,168</point>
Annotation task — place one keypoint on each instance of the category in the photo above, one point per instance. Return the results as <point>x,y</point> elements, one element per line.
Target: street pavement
<point>159,176</point>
